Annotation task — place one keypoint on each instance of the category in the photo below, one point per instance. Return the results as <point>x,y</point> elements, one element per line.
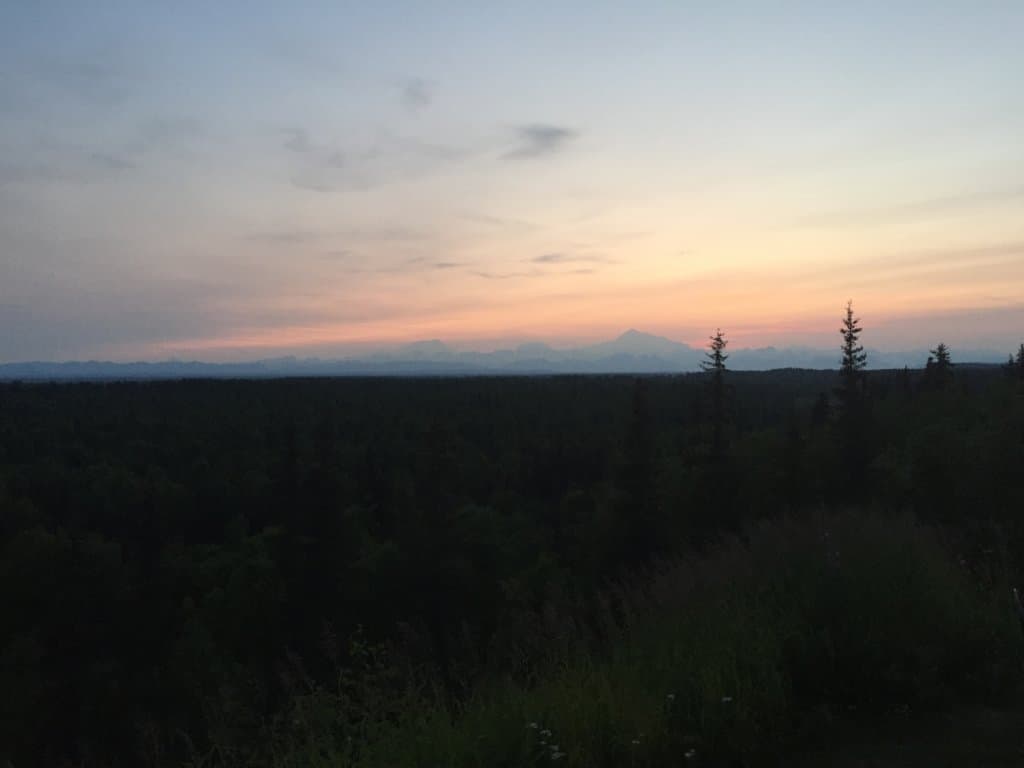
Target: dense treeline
<point>182,564</point>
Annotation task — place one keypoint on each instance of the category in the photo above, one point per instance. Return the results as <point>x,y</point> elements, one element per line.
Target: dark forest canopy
<point>194,558</point>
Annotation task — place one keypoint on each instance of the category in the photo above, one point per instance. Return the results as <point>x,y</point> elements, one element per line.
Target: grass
<point>762,649</point>
<point>983,737</point>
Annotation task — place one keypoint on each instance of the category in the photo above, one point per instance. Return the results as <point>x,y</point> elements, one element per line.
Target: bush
<point>737,655</point>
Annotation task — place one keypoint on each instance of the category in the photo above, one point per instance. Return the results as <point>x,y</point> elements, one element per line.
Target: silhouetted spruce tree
<point>1020,363</point>
<point>853,400</point>
<point>715,485</point>
<point>938,370</point>
<point>715,365</point>
<point>854,357</point>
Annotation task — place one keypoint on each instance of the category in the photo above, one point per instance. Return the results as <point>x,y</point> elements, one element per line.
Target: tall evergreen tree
<point>715,365</point>
<point>716,355</point>
<point>1020,362</point>
<point>938,371</point>
<point>854,357</point>
<point>853,416</point>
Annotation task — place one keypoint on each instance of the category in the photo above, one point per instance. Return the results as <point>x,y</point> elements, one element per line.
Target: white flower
<point>727,699</point>
<point>557,755</point>
<point>636,741</point>
<point>545,733</point>
<point>671,697</point>
<point>532,725</point>
<point>690,754</point>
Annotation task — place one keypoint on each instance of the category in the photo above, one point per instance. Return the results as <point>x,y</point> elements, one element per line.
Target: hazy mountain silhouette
<point>632,352</point>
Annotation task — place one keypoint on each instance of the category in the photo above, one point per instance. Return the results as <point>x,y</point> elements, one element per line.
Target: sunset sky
<point>235,180</point>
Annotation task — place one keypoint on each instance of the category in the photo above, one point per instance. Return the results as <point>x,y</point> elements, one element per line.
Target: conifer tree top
<point>716,353</point>
<point>854,357</point>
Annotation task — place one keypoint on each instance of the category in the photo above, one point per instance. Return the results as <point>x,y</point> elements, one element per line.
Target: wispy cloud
<point>417,94</point>
<point>311,184</point>
<point>404,266</point>
<point>387,234</point>
<point>287,237</point>
<point>111,161</point>
<point>62,168</point>
<point>323,166</point>
<point>118,309</point>
<point>67,160</point>
<point>568,258</point>
<point>28,173</point>
<point>507,275</point>
<point>500,222</point>
<point>538,140</point>
<point>297,140</point>
<point>916,209</point>
<point>918,266</point>
<point>167,131</point>
<point>101,77</point>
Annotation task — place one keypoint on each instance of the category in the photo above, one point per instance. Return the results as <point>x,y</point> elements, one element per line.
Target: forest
<point>718,568</point>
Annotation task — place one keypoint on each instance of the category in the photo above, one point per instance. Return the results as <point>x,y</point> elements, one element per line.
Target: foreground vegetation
<point>743,655</point>
<point>704,569</point>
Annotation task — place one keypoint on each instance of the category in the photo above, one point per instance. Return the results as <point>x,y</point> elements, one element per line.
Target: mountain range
<point>632,352</point>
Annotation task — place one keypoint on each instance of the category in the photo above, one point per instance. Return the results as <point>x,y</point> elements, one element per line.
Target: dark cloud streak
<point>540,140</point>
<point>568,258</point>
<point>507,275</point>
<point>111,161</point>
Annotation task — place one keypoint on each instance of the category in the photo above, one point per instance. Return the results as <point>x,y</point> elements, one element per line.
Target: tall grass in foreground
<point>736,656</point>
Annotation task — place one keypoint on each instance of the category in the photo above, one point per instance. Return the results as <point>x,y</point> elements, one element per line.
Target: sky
<point>225,181</point>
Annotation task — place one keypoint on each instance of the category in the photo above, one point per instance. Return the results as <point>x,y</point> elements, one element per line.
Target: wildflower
<point>671,697</point>
<point>532,725</point>
<point>690,754</point>
<point>727,699</point>
<point>545,733</point>
<point>556,755</point>
<point>636,741</point>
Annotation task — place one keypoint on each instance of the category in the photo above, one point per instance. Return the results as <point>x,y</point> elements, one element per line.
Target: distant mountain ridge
<point>632,352</point>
